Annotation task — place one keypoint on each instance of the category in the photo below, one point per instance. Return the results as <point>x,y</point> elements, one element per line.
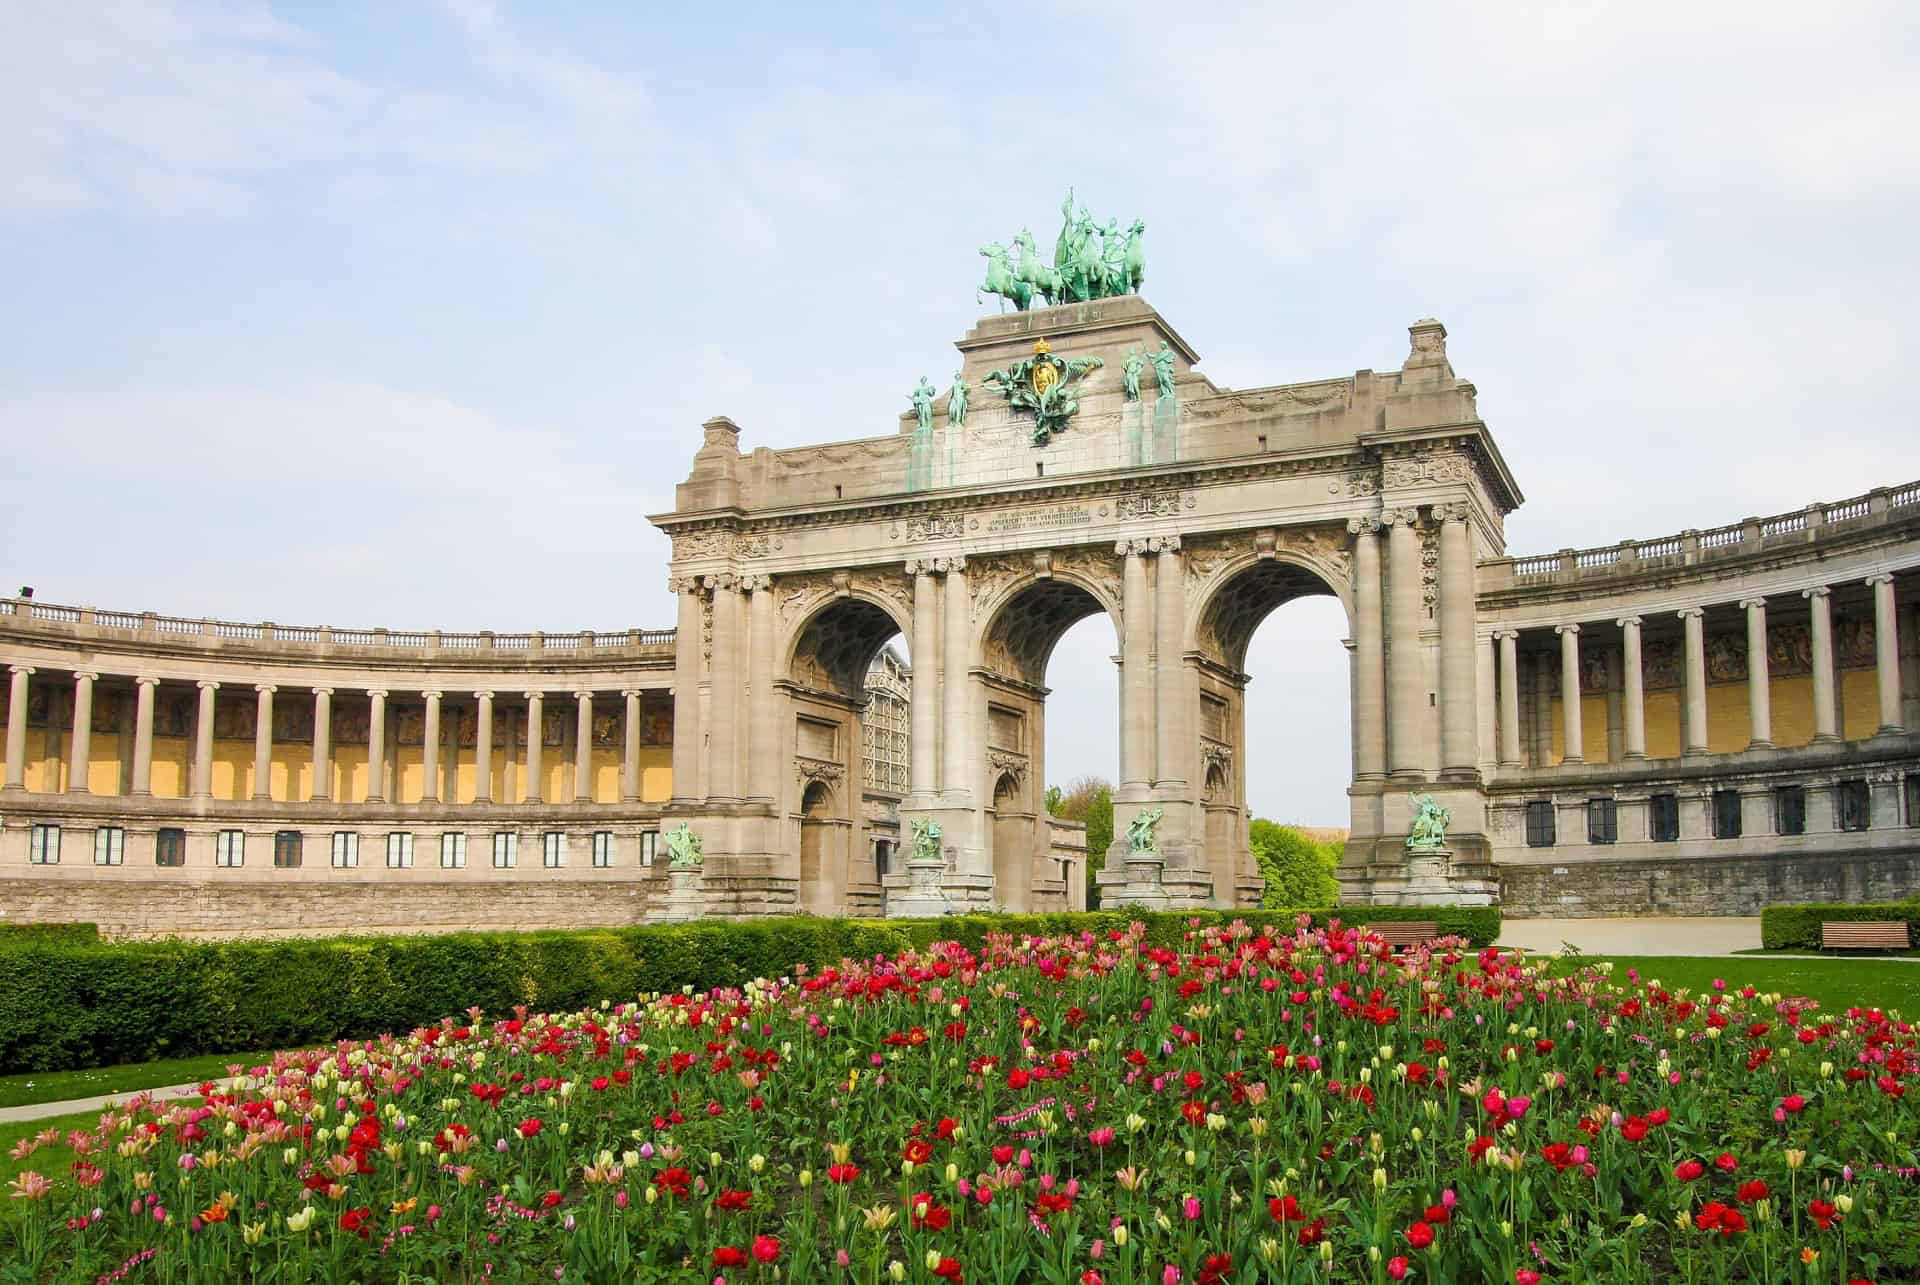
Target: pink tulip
<point>1102,1137</point>
<point>1170,1275</point>
<point>1397,1269</point>
<point>1517,1107</point>
<point>1191,1208</point>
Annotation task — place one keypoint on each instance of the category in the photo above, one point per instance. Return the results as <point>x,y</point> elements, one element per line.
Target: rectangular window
<point>170,847</point>
<point>1663,817</point>
<point>553,849</point>
<point>45,848</point>
<point>1913,799</point>
<point>230,848</point>
<point>649,839</point>
<point>286,849</point>
<point>400,850</point>
<point>602,849</point>
<point>346,849</point>
<point>1853,806</point>
<point>1540,824</point>
<point>506,849</point>
<point>453,851</point>
<point>1790,809</point>
<point>882,848</point>
<point>1602,821</point>
<point>109,845</point>
<point>1726,814</point>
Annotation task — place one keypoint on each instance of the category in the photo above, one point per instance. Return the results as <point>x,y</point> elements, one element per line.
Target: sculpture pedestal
<point>1432,877</point>
<point>1138,879</point>
<point>925,895</point>
<point>685,900</point>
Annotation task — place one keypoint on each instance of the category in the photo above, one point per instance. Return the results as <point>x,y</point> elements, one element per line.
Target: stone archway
<point>823,865</point>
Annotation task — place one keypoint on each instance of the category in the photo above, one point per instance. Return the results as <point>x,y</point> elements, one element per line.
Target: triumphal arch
<point>1079,463</point>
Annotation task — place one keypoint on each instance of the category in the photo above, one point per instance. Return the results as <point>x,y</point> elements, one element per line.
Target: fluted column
<point>376,745</point>
<point>1759,693</point>
<point>17,727</point>
<point>1407,700</point>
<point>1136,672</point>
<point>483,747</point>
<point>430,749</point>
<point>263,740</point>
<point>723,743</point>
<point>763,734</point>
<point>80,752</point>
<point>1826,724</point>
<point>922,713</point>
<point>1509,697</point>
<point>1170,671</point>
<point>583,747</point>
<point>1459,718</point>
<point>1694,734</point>
<point>322,789</point>
<point>1573,744</point>
<point>1886,653</point>
<point>958,681</point>
<point>1634,680</point>
<point>630,746</point>
<point>203,741</point>
<point>686,690</point>
<point>1369,652</point>
<point>536,746</point>
<point>143,735</point>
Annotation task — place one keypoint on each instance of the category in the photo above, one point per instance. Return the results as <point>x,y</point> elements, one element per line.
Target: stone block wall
<point>1704,886</point>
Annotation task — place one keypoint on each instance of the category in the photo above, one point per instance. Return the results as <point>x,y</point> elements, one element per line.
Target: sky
<point>408,314</point>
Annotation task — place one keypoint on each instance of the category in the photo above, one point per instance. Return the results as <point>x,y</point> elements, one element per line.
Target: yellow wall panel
<point>103,768</point>
<point>410,775</point>
<point>172,766</point>
<point>232,768</point>
<point>656,774</point>
<point>1859,704</point>
<point>350,769</point>
<point>1792,710</point>
<point>1663,725</point>
<point>1728,727</point>
<point>1593,728</point>
<point>557,769</point>
<point>606,776</point>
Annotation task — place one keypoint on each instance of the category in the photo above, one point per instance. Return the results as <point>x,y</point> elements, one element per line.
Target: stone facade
<point>1713,718</point>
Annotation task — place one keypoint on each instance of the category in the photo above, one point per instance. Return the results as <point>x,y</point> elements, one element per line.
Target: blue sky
<point>407,314</point>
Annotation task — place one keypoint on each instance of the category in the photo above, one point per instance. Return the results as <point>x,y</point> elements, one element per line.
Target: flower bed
<point>1091,1109</point>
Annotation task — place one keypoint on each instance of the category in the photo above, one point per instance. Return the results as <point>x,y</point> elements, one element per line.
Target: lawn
<point>62,1086</point>
<point>1836,983</point>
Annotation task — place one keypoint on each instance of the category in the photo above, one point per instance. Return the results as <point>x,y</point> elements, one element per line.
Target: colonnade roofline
<point>1591,568</point>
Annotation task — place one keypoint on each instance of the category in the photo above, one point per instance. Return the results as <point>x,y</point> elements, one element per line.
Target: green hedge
<point>68,1004</point>
<point>13,934</point>
<point>1798,927</point>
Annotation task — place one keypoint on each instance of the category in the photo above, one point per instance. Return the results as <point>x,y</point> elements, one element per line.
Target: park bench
<point>1865,934</point>
<point>1404,934</point>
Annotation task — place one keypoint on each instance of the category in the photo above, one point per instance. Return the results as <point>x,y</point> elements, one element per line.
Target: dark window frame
<point>1541,826</point>
<point>1789,809</point>
<point>1663,818</point>
<point>170,846</point>
<point>1727,819</point>
<point>1603,821</point>
<point>1852,805</point>
<point>289,849</point>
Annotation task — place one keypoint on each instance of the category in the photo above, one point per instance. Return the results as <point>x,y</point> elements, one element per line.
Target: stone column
<point>203,741</point>
<point>1509,697</point>
<point>1634,681</point>
<point>763,728</point>
<point>1886,653</point>
<point>1694,736</point>
<point>723,746</point>
<point>630,748</point>
<point>1459,721</point>
<point>17,728</point>
<point>1486,702</point>
<point>536,745</point>
<point>957,654</point>
<point>686,691</point>
<point>1759,694</point>
<point>1540,715</point>
<point>1369,653</point>
<point>1406,702</point>
<point>482,747</point>
<point>1136,672</point>
<point>143,736</point>
<point>263,740</point>
<point>583,747</point>
<point>376,745</point>
<point>81,751</point>
<point>1170,620</point>
<point>430,750</point>
<point>1616,707</point>
<point>1573,745</point>
<point>322,789</point>
<point>1826,723</point>
<point>923,717</point>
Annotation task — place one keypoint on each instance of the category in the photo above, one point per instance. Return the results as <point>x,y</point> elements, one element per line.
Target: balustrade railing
<point>1805,524</point>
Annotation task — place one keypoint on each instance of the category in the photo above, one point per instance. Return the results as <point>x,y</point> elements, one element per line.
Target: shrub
<point>1297,869</point>
<point>13,934</point>
<point>1798,927</point>
<point>67,1004</point>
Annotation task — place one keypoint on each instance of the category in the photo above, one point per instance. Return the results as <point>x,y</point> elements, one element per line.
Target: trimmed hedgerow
<point>12,934</point>
<point>1798,927</point>
<point>74,1003</point>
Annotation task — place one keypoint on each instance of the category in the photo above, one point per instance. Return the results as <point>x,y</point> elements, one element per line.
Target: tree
<point>1297,869</point>
<point>1089,801</point>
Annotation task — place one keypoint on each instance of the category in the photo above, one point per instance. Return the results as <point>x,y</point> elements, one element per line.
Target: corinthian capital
<point>1400,517</point>
<point>1459,511</point>
<point>1163,544</point>
<point>1367,525</point>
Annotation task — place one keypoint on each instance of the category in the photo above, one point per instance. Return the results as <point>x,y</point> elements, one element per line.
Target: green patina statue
<point>1163,369</point>
<point>924,835</point>
<point>683,848</point>
<point>922,398</point>
<point>1140,830</point>
<point>1429,830</point>
<point>1130,373</point>
<point>1045,385</point>
<point>957,399</point>
<point>1090,261</point>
